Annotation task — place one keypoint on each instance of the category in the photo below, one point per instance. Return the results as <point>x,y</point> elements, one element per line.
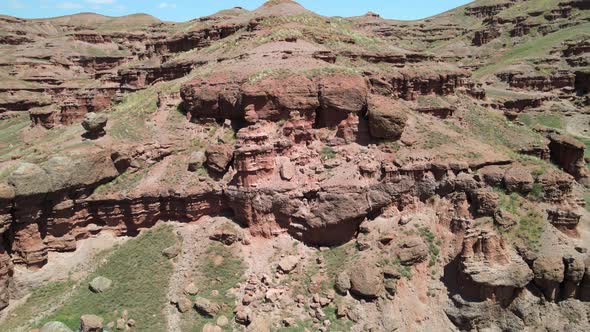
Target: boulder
<point>287,170</point>
<point>366,280</point>
<point>171,251</point>
<point>243,316</point>
<point>55,327</point>
<point>411,250</point>
<point>206,307</point>
<point>191,289</point>
<point>100,284</point>
<point>7,192</point>
<point>518,179</point>
<point>485,201</point>
<point>227,234</point>
<point>341,94</point>
<point>222,321</point>
<point>549,274</point>
<point>342,283</point>
<point>387,120</point>
<point>91,323</point>
<point>184,304</point>
<point>211,328</point>
<point>94,124</point>
<point>196,161</point>
<point>288,263</point>
<point>219,156</point>
<point>492,175</point>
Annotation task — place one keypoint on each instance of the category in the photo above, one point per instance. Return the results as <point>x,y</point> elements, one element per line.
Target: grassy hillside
<point>140,275</point>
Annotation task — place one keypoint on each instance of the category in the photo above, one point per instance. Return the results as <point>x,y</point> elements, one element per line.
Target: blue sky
<point>183,10</point>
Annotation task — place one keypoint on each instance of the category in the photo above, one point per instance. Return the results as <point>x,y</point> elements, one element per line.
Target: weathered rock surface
<point>496,270</point>
<point>91,323</point>
<point>568,153</point>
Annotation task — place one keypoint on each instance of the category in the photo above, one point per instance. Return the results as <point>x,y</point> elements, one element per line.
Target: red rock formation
<point>46,117</point>
<point>139,78</point>
<point>6,271</point>
<point>91,37</point>
<point>559,80</point>
<point>191,40</point>
<point>487,10</point>
<point>93,64</point>
<point>341,95</point>
<point>557,186</point>
<point>74,107</point>
<point>482,37</point>
<point>254,156</point>
<point>495,270</point>
<point>568,153</point>
<point>563,219</point>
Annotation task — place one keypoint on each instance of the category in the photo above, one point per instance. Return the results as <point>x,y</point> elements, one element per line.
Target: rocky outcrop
<point>409,85</point>
<point>518,179</point>
<point>254,156</point>
<point>183,42</point>
<point>557,186</point>
<point>395,58</point>
<point>46,117</point>
<point>76,105</point>
<point>142,77</point>
<point>563,219</point>
<point>568,153</point>
<point>6,272</point>
<point>495,270</point>
<point>386,120</point>
<point>559,80</point>
<point>487,10</point>
<point>482,37</point>
<point>94,64</point>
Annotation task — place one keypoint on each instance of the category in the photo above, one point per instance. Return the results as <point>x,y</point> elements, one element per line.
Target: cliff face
<point>442,149</point>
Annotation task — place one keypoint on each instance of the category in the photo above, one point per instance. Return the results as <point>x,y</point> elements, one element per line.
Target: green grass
<point>41,300</point>
<point>10,133</point>
<point>140,275</point>
<point>493,128</point>
<point>123,182</point>
<point>129,117</point>
<point>221,271</point>
<point>533,48</point>
<point>433,247</point>
<point>530,222</point>
<point>550,120</point>
<point>586,142</point>
<point>327,153</point>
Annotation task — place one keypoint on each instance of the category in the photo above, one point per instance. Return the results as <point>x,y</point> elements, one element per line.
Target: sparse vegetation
<point>327,153</point>
<point>530,223</point>
<point>433,246</point>
<point>545,119</point>
<point>140,276</point>
<point>220,271</point>
<point>43,300</point>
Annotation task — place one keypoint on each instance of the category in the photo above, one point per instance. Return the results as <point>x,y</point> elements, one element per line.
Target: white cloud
<point>166,5</point>
<point>69,5</point>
